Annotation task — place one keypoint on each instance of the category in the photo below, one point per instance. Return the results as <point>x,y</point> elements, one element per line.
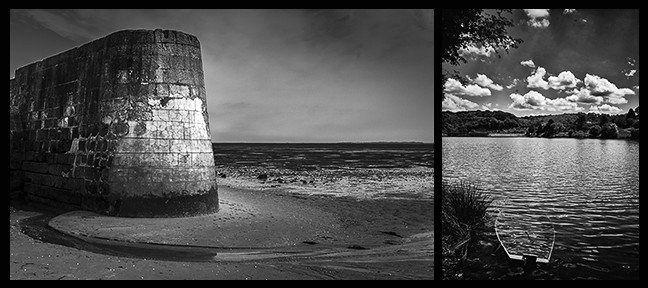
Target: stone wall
<point>117,126</point>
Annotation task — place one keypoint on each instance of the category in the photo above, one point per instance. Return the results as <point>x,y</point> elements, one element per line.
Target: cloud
<point>513,84</point>
<point>474,51</point>
<point>490,107</point>
<point>67,24</point>
<point>605,108</point>
<point>630,73</point>
<point>616,100</point>
<point>454,103</point>
<point>538,17</point>
<point>537,79</point>
<point>453,86</point>
<point>290,62</point>
<point>583,96</point>
<point>543,23</point>
<point>537,13</point>
<point>564,80</point>
<point>598,90</point>
<point>569,11</point>
<point>528,63</point>
<point>533,100</point>
<point>483,81</point>
<point>599,86</point>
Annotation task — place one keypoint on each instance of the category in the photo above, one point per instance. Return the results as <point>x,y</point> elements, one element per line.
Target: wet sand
<point>257,235</point>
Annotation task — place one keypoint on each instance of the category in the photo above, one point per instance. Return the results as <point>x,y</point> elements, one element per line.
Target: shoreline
<point>522,136</point>
<point>351,239</point>
<point>488,261</point>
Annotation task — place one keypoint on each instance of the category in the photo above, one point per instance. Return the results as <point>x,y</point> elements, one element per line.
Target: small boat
<point>525,237</point>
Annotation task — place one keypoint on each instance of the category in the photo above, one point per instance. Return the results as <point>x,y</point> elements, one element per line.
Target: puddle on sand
<point>37,227</point>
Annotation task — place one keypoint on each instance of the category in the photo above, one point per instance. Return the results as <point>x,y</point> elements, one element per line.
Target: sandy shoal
<point>349,238</point>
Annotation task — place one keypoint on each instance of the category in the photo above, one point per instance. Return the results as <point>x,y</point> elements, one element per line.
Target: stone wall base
<point>140,207</point>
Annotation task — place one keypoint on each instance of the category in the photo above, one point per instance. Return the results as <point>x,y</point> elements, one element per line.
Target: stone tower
<point>118,126</point>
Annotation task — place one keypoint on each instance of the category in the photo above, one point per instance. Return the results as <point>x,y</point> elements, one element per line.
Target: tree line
<point>574,125</point>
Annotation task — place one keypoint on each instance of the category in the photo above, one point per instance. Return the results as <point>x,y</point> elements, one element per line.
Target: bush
<point>579,134</point>
<point>595,131</point>
<point>610,131</point>
<point>463,211</point>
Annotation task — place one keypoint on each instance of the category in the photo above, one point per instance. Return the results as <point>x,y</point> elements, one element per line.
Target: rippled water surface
<point>588,187</point>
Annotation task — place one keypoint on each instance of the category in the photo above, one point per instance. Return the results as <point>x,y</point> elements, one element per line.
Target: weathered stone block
<point>179,91</point>
<point>36,167</point>
<point>162,90</point>
<point>165,36</point>
<point>186,39</point>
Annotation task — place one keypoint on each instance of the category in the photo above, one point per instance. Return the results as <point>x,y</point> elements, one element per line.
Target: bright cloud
<point>602,87</point>
<point>533,100</point>
<point>538,17</point>
<point>453,86</point>
<point>483,81</point>
<point>528,63</point>
<point>454,103</point>
<point>630,73</point>
<point>569,11</point>
<point>544,23</point>
<point>605,108</point>
<point>616,100</point>
<point>564,80</point>
<point>537,79</point>
<point>537,13</point>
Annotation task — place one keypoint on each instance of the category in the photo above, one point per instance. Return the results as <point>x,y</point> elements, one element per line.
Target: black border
<point>438,159</point>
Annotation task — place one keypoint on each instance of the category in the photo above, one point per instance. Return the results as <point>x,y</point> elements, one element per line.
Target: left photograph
<point>221,144</point>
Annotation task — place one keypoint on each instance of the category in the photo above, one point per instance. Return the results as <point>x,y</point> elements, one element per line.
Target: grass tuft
<point>464,206</point>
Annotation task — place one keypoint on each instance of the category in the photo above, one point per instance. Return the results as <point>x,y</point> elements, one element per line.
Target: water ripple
<point>589,187</point>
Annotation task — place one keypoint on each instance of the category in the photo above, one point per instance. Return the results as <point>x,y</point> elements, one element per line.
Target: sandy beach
<point>268,234</point>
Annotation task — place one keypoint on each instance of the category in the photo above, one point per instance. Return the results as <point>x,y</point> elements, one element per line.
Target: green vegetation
<point>463,214</point>
<point>477,123</point>
<point>575,125</point>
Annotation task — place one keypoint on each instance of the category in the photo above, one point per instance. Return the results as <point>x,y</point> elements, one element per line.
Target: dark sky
<point>279,75</point>
<point>564,46</point>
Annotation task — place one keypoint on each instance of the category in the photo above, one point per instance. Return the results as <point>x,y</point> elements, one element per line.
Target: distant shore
<point>477,123</point>
<point>521,135</point>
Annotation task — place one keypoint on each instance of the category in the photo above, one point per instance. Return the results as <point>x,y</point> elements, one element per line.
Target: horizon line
<point>541,114</point>
<point>339,142</point>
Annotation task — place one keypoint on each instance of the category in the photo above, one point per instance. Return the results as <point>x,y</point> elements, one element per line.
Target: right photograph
<point>540,144</point>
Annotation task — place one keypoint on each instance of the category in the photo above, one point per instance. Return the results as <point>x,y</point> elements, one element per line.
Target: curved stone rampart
<point>117,126</point>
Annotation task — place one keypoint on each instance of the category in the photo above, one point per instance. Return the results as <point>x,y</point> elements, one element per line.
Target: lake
<point>588,187</point>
